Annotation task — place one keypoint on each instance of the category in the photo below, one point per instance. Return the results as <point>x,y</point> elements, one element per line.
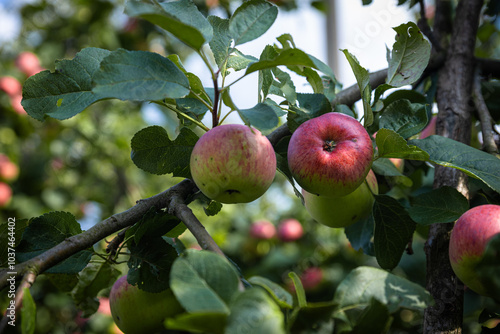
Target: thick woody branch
<point>489,144</point>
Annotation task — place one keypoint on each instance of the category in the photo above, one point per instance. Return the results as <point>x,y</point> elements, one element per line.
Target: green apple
<point>468,240</point>
<point>346,210</point>
<point>137,311</point>
<point>233,163</point>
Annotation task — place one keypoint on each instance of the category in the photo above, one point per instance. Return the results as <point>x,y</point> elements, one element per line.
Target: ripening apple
<point>137,311</point>
<point>262,229</point>
<point>430,129</point>
<point>290,230</point>
<point>10,85</point>
<point>311,278</point>
<point>28,63</point>
<point>233,163</point>
<point>8,170</point>
<point>5,194</point>
<point>468,241</point>
<point>346,210</point>
<point>330,155</point>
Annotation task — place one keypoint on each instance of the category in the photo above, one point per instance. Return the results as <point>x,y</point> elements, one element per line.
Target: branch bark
<point>455,109</point>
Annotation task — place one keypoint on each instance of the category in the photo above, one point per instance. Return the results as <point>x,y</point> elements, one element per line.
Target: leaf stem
<point>200,124</point>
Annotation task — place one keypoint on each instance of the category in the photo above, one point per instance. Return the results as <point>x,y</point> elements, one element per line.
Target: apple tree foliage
<point>214,292</point>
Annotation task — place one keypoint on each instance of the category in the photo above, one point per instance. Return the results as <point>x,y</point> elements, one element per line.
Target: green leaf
<point>442,205</point>
<point>266,77</point>
<point>315,318</point>
<point>360,235</point>
<point>253,311</point>
<point>364,283</point>
<point>203,281</point>
<point>206,322</point>
<point>309,106</point>
<point>239,61</point>
<point>139,76</point>
<point>28,313</point>
<point>154,152</point>
<point>392,145</point>
<point>280,295</point>
<point>221,42</point>
<point>285,85</point>
<point>65,92</point>
<point>47,231</point>
<point>252,19</point>
<point>299,289</point>
<point>363,79</point>
<point>410,55</point>
<point>10,228</point>
<point>96,276</point>
<point>213,208</point>
<point>153,223</point>
<point>384,166</point>
<point>261,116</point>
<point>404,117</point>
<point>451,153</point>
<point>181,18</point>
<point>150,263</point>
<point>375,318</point>
<point>393,230</point>
<point>289,57</point>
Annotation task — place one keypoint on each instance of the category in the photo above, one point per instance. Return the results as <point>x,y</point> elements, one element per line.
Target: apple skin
<point>28,63</point>
<point>262,229</point>
<point>430,129</point>
<point>311,278</point>
<point>290,230</point>
<point>10,85</point>
<point>233,163</point>
<point>468,241</point>
<point>8,170</point>
<point>5,194</point>
<point>330,155</point>
<point>346,210</point>
<point>138,311</point>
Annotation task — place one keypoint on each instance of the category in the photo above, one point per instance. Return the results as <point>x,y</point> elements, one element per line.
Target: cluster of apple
<point>8,173</point>
<point>330,157</point>
<point>288,230</point>
<point>29,64</point>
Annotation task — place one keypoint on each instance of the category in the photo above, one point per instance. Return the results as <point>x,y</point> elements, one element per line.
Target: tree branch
<point>454,103</point>
<point>27,282</point>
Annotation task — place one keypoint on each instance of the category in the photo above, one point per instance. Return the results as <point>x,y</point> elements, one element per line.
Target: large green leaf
<point>47,231</point>
<point>363,80</point>
<point>360,235</point>
<point>150,263</point>
<point>181,18</point>
<point>200,322</point>
<point>392,145</point>
<point>443,205</point>
<point>404,117</point>
<point>154,152</point>
<point>203,281</point>
<point>364,283</point>
<point>221,42</point>
<point>280,295</point>
<point>65,92</point>
<point>393,231</point>
<point>252,19</point>
<point>96,276</point>
<point>451,153</point>
<point>253,311</point>
<point>262,116</point>
<point>139,76</point>
<point>410,56</point>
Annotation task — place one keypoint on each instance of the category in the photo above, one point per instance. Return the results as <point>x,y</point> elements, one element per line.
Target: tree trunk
<point>455,107</point>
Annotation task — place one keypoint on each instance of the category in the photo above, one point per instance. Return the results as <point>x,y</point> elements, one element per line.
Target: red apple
<point>330,155</point>
<point>8,170</point>
<point>346,210</point>
<point>10,85</point>
<point>233,163</point>
<point>290,230</point>
<point>430,129</point>
<point>311,278</point>
<point>262,229</point>
<point>468,241</point>
<point>138,311</point>
<point>28,63</point>
<point>5,194</point>
<point>399,163</point>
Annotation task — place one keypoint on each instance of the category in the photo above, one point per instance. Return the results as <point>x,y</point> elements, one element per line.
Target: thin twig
<point>423,24</point>
<point>489,144</point>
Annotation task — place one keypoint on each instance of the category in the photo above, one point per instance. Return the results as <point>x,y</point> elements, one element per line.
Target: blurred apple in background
<point>10,85</point>
<point>5,194</point>
<point>28,63</point>
<point>290,230</point>
<point>262,229</point>
<point>430,129</point>
<point>8,170</point>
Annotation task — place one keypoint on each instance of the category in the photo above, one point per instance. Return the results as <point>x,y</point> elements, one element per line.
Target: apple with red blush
<point>262,229</point>
<point>330,155</point>
<point>290,230</point>
<point>5,194</point>
<point>233,163</point>
<point>468,240</point>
